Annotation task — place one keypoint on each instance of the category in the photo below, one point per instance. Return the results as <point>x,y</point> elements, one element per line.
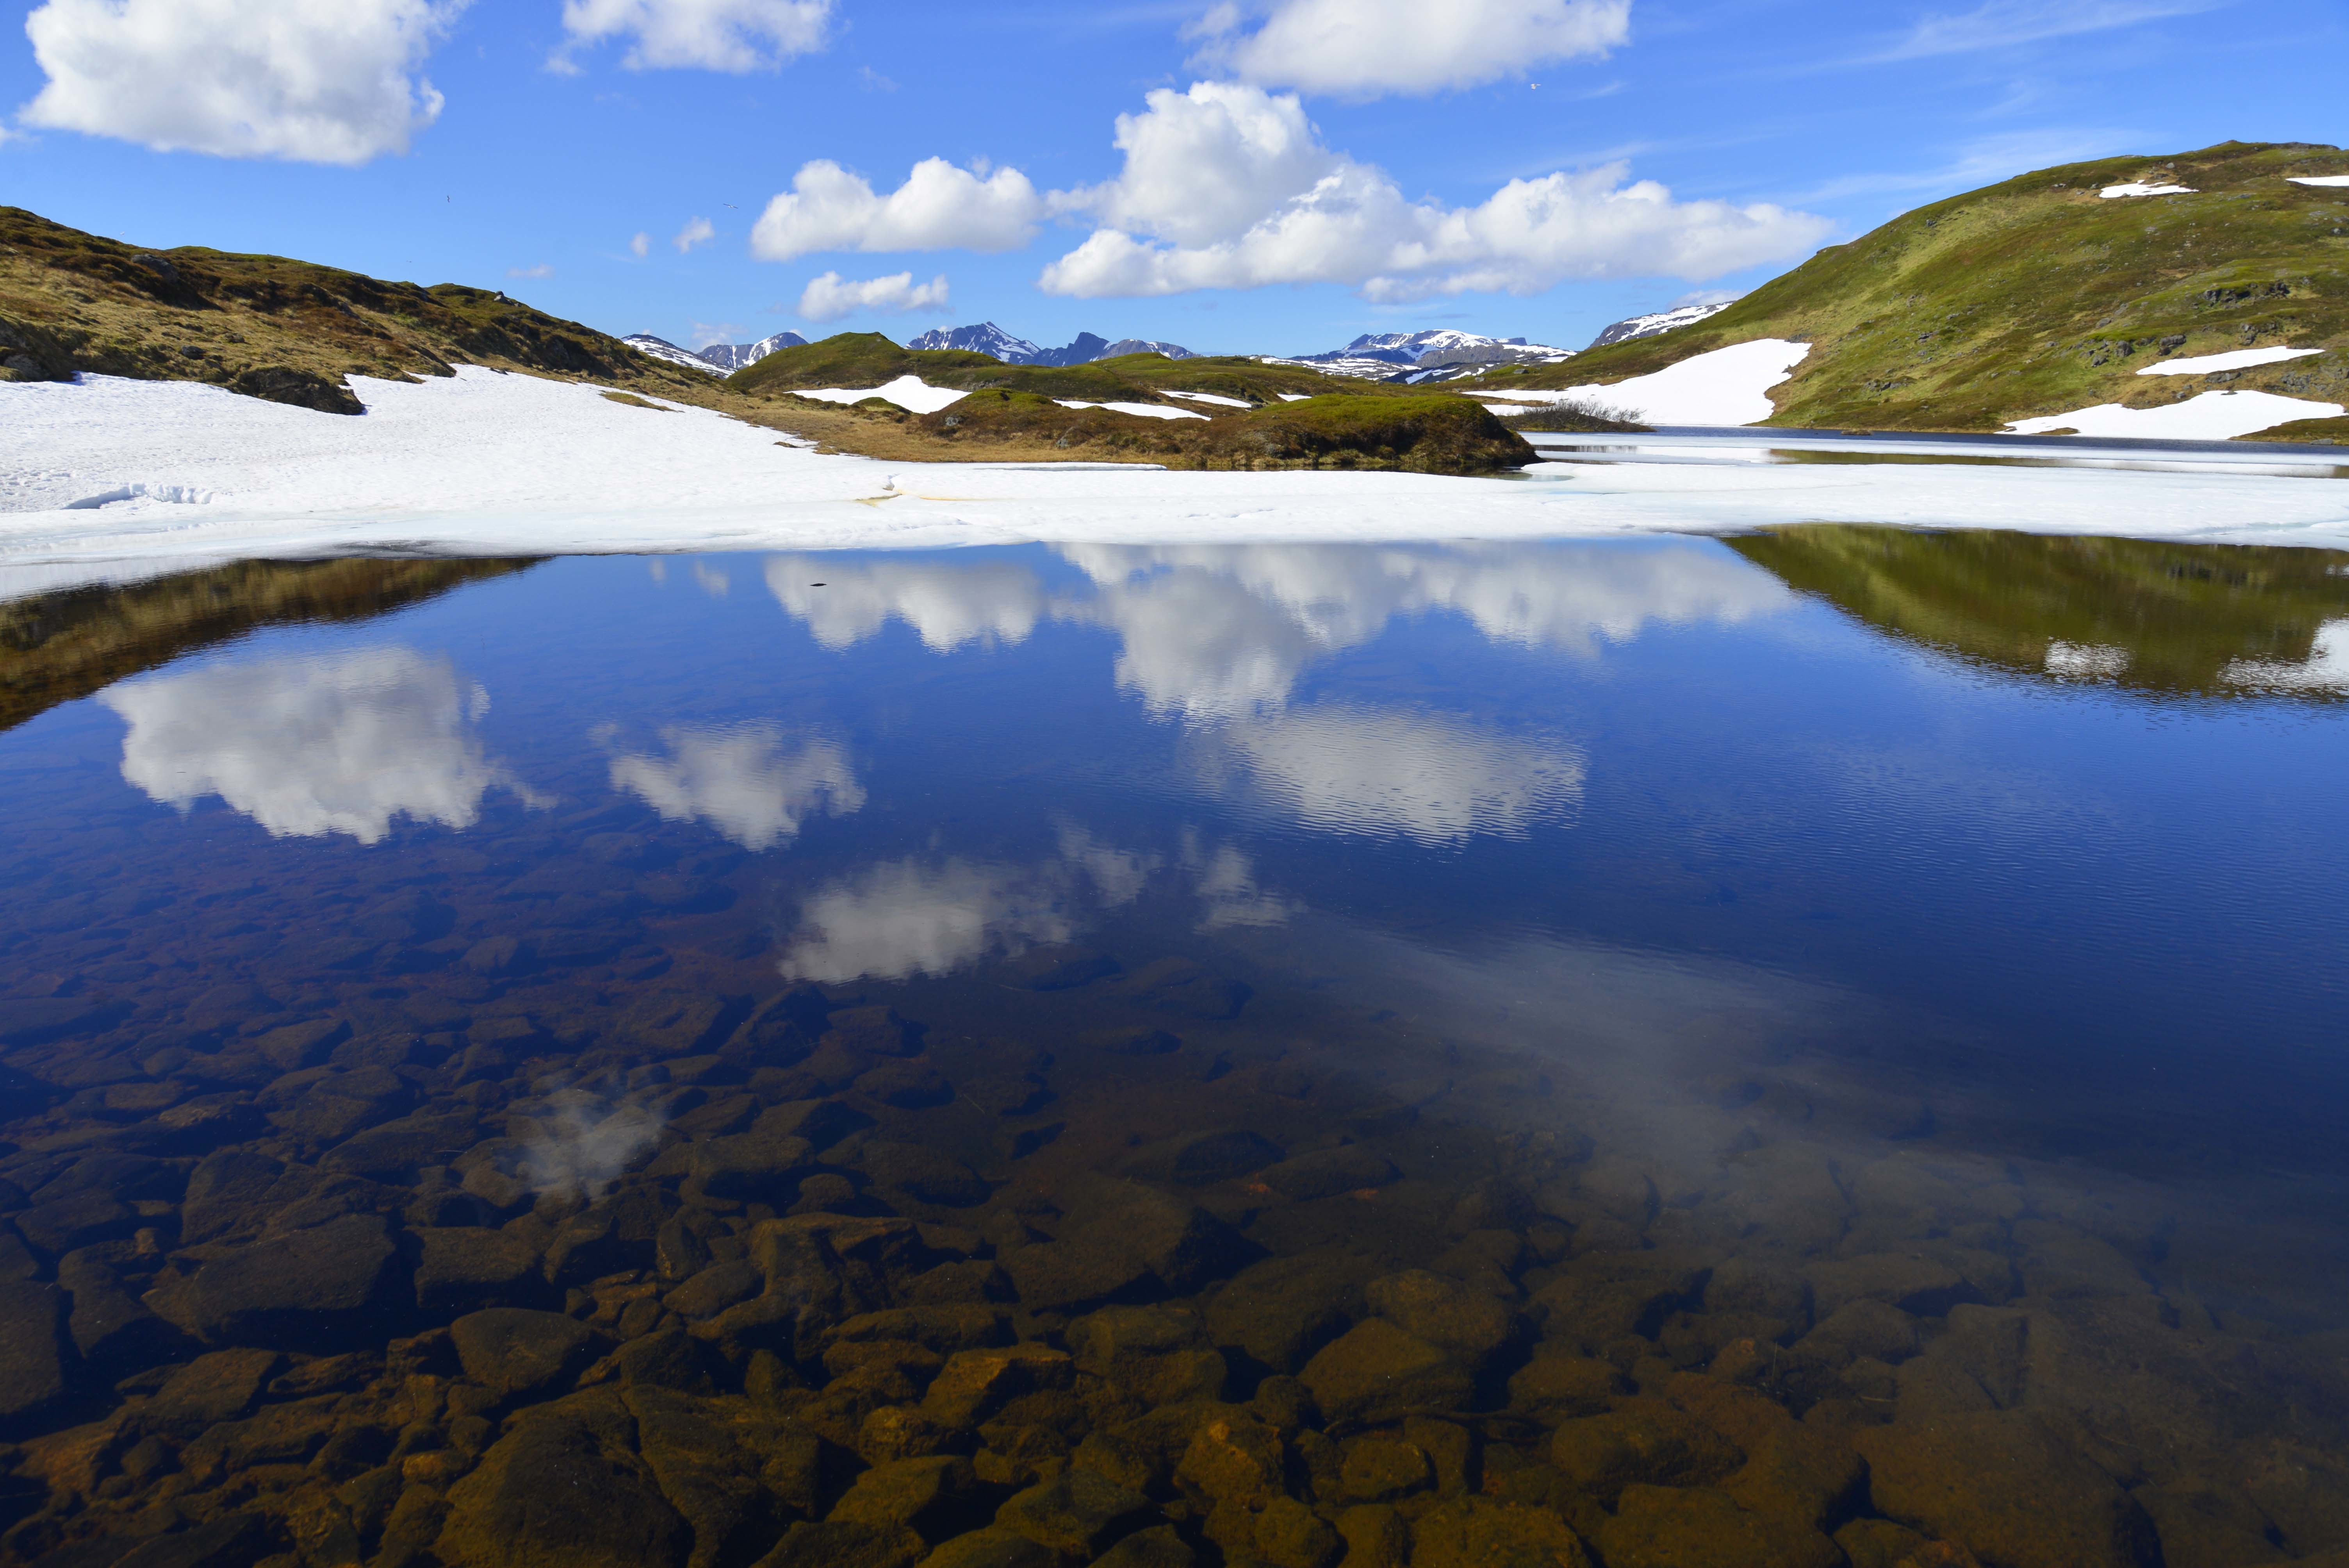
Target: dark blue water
<point>2025,865</point>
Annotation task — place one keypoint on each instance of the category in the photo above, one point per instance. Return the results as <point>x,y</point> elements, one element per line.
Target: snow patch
<point>2209,417</point>
<point>1145,410</point>
<point>2234,359</point>
<point>1215,398</point>
<point>2318,179</point>
<point>2140,189</point>
<point>910,393</point>
<point>1723,386</point>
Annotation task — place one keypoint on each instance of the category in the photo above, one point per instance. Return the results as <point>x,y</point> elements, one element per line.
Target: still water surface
<point>1812,1049</point>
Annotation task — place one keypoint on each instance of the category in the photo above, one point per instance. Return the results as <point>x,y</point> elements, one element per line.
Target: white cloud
<point>1436,780</point>
<point>641,245</point>
<point>695,232</point>
<point>316,81</point>
<point>706,333</point>
<point>742,781</point>
<point>903,918</point>
<point>2002,23</point>
<point>1228,187</point>
<point>311,746</point>
<point>707,34</point>
<point>831,296</point>
<point>986,601</point>
<point>1362,49</point>
<point>939,207</point>
<point>540,271</point>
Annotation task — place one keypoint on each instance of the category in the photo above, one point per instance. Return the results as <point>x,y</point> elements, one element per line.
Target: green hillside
<point>286,330</point>
<point>2039,296</point>
<point>2156,617</point>
<point>869,360</point>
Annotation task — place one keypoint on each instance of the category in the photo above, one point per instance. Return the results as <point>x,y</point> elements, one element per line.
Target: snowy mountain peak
<point>731,356</point>
<point>984,338</point>
<point>1656,321</point>
<point>662,348</point>
<point>1404,353</point>
<point>988,338</point>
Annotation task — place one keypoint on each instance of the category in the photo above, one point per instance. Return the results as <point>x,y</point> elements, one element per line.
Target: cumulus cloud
<point>939,207</point>
<point>742,780</point>
<point>914,916</point>
<point>695,232</point>
<point>1425,777</point>
<point>735,36</point>
<point>1364,48</point>
<point>1215,632</point>
<point>314,81</point>
<point>311,746</point>
<point>988,602</point>
<point>1228,186</point>
<point>831,296</point>
<point>581,1142</point>
<point>641,245</point>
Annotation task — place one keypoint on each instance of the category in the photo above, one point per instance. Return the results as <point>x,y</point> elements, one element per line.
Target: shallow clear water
<point>1783,970</point>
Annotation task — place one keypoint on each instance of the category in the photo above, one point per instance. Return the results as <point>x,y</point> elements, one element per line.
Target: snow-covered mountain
<point>1656,321</point>
<point>731,356</point>
<point>988,338</point>
<point>984,338</point>
<point>662,348</point>
<point>1142,346</point>
<point>1406,351</point>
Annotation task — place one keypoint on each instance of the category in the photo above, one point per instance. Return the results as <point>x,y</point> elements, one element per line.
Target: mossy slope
<point>2039,296</point>
<point>286,330</point>
<point>2181,614</point>
<point>59,647</point>
<point>851,359</point>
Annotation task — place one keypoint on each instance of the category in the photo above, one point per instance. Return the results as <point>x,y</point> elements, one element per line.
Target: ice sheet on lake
<point>483,463</point>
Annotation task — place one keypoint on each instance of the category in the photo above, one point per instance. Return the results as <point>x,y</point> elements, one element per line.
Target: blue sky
<point>1293,172</point>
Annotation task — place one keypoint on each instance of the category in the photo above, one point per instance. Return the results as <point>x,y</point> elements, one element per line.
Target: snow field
<point>1141,410</point>
<point>2209,416</point>
<point>484,463</point>
<point>1721,386</point>
<point>2140,189</point>
<point>2234,359</point>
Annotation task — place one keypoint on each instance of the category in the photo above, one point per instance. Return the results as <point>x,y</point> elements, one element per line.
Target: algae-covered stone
<point>1158,1547</point>
<point>1555,1386</point>
<point>1281,1310</point>
<point>974,1384</point>
<point>1234,1459</point>
<point>1074,1513</point>
<point>2001,1484</point>
<point>1375,1537</point>
<point>991,1547</point>
<point>1444,1313</point>
<point>550,1494</point>
<point>839,1543</point>
<point>295,1287</point>
<point>517,1352</point>
<point>1379,1468</point>
<point>32,1360</point>
<point>1376,1372</point>
<point>1696,1527</point>
<point>1646,1442</point>
<point>464,1266</point>
<point>1291,1535</point>
<point>1479,1532</point>
<point>920,1494</point>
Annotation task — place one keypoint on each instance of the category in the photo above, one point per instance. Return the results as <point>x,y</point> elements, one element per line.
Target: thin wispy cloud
<point>1979,163</point>
<point>2002,23</point>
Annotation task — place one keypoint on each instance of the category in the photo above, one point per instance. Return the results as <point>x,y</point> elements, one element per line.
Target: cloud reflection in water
<point>742,781</point>
<point>311,746</point>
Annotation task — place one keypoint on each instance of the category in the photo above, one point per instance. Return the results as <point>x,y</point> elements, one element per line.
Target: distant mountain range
<point>1662,321</point>
<point>987,338</point>
<point>717,358</point>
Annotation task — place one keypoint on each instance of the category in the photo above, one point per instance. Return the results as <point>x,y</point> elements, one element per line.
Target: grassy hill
<point>869,360</point>
<point>285,330</point>
<point>291,331</point>
<point>2039,296</point>
<point>2159,618</point>
<point>59,647</point>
